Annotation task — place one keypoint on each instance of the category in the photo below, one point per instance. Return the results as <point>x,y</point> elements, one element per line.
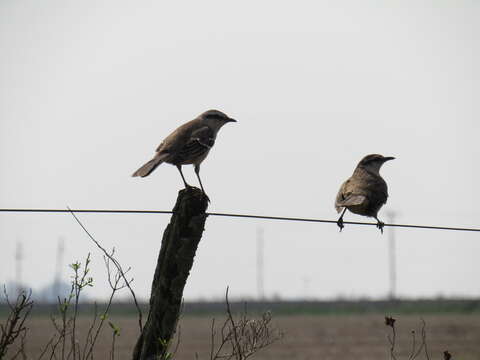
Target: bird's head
<point>216,119</point>
<point>374,162</point>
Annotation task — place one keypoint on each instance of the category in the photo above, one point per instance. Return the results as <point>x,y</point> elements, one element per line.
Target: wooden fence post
<point>179,244</point>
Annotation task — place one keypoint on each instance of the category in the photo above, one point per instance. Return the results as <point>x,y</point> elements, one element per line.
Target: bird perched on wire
<point>188,144</point>
<point>365,192</point>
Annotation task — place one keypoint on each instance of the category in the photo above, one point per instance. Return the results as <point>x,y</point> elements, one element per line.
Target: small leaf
<point>116,330</point>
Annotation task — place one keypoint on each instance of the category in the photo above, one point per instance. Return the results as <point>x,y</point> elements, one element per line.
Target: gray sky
<point>89,89</point>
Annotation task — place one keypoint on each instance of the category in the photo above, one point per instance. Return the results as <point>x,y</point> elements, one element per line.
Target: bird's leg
<point>340,220</point>
<point>380,224</point>
<point>197,172</point>
<point>179,167</point>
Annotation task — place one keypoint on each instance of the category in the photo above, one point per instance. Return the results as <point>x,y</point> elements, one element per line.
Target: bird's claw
<point>340,224</point>
<point>380,226</point>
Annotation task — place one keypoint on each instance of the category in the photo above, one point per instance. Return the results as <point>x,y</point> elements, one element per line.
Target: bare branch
<point>117,265</point>
<point>244,335</point>
<point>14,328</point>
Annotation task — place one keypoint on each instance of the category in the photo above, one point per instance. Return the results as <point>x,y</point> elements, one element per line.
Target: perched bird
<point>188,144</point>
<point>365,192</point>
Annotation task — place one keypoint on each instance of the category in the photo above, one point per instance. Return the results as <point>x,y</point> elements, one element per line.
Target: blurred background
<point>89,89</point>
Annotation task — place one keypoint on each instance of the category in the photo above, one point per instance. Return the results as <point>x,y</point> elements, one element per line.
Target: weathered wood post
<point>179,244</point>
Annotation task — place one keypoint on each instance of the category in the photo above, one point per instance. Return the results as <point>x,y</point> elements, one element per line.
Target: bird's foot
<point>340,224</point>
<point>380,225</point>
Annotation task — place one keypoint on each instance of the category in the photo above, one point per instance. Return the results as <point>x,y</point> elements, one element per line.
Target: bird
<point>190,143</point>
<point>365,192</point>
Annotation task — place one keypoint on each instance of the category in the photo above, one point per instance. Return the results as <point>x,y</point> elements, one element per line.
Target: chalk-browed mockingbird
<point>365,192</point>
<point>188,144</point>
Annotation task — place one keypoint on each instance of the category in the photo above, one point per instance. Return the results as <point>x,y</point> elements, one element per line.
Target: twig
<point>236,345</point>
<point>115,287</point>
<point>117,265</point>
<point>246,336</point>
<point>412,354</point>
<point>212,338</point>
<point>390,321</point>
<point>424,339</point>
<point>15,324</point>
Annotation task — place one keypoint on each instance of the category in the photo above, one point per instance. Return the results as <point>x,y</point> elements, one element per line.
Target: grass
<point>339,307</point>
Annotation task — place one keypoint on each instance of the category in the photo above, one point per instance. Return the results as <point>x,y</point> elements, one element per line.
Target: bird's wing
<point>347,197</point>
<point>353,199</point>
<point>204,136</point>
<point>179,137</point>
<point>340,196</point>
<point>200,141</point>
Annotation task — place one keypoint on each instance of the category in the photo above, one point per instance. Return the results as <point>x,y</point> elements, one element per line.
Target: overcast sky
<point>89,89</point>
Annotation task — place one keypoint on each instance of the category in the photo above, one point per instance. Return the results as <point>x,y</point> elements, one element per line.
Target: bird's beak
<point>386,158</point>
<point>231,120</point>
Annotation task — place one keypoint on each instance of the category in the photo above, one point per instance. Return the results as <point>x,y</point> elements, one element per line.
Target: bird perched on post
<point>188,144</point>
<point>365,192</point>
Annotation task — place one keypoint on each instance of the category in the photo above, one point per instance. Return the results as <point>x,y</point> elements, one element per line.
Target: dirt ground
<point>359,337</point>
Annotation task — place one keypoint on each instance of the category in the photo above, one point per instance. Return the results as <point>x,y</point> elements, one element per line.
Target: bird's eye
<point>216,117</point>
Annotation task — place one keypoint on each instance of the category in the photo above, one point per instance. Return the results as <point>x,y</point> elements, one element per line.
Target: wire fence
<point>248,216</point>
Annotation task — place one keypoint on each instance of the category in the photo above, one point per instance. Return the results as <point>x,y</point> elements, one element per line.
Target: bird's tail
<point>147,168</point>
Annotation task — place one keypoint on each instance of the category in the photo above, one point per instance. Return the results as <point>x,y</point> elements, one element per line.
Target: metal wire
<point>248,216</point>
